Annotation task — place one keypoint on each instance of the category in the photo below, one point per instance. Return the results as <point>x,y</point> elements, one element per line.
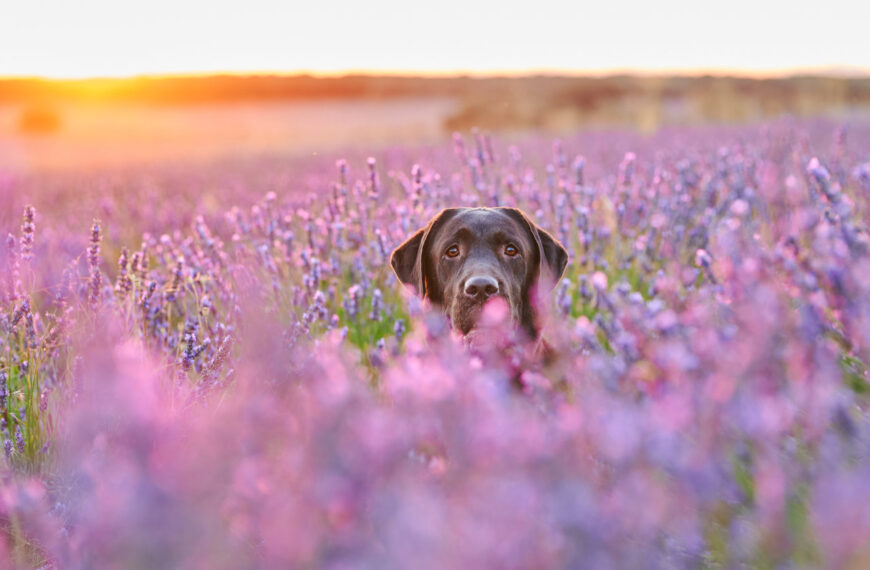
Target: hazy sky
<point>83,38</point>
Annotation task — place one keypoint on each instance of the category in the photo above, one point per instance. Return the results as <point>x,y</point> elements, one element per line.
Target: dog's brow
<point>463,233</point>
<point>502,236</point>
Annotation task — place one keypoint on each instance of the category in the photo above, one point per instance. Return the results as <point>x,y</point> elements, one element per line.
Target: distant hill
<point>223,88</point>
<point>549,102</point>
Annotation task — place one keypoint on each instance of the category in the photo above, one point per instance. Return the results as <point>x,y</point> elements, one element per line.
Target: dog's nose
<point>481,287</point>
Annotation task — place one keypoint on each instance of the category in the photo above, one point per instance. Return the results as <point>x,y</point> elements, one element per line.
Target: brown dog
<point>466,256</point>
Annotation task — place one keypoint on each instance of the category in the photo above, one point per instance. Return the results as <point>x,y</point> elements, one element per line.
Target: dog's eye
<point>511,250</point>
<point>452,251</point>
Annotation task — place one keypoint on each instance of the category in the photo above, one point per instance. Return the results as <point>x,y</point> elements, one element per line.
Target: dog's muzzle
<point>481,287</point>
<point>475,293</point>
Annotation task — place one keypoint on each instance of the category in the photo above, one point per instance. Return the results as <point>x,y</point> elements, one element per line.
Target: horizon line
<point>838,71</point>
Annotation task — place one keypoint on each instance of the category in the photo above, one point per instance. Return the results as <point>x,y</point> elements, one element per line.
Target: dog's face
<point>466,256</point>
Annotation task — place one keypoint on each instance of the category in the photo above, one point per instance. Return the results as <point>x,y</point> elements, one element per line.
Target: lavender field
<point>213,365</point>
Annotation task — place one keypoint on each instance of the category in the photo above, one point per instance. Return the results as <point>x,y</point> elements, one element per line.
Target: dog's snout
<point>481,287</point>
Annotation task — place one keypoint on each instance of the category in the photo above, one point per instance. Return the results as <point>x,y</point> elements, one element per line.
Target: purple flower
<point>28,228</point>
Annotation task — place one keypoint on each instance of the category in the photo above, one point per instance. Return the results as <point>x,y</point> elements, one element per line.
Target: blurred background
<point>102,84</point>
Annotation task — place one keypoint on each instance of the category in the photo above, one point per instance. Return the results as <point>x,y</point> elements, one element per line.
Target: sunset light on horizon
<point>98,38</point>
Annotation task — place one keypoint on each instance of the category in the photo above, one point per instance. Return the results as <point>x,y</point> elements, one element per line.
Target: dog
<point>465,257</point>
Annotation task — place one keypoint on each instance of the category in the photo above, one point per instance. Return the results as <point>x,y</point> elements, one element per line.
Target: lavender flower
<point>626,169</point>
<point>4,391</point>
<point>96,279</point>
<point>19,440</point>
<point>13,280</point>
<point>172,293</point>
<point>377,305</point>
<point>374,182</point>
<point>28,228</point>
<point>351,302</point>
<point>341,164</point>
<point>124,284</point>
<point>189,338</point>
<point>382,248</point>
<point>579,165</point>
<point>30,330</point>
<point>399,329</point>
<point>563,298</point>
<point>20,312</point>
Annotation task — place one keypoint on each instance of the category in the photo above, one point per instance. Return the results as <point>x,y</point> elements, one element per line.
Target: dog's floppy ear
<point>555,256</point>
<point>552,255</point>
<point>408,260</point>
<point>404,260</point>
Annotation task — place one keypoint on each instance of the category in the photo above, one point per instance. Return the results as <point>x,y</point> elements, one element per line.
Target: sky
<point>118,38</point>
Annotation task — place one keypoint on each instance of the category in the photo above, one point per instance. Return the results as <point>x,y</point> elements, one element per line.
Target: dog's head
<point>466,256</point>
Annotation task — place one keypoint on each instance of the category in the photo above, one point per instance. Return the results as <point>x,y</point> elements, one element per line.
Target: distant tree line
<point>553,102</point>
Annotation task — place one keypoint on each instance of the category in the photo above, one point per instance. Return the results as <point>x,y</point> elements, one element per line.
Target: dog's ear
<point>404,260</point>
<point>409,259</point>
<point>552,255</point>
<point>555,256</point>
